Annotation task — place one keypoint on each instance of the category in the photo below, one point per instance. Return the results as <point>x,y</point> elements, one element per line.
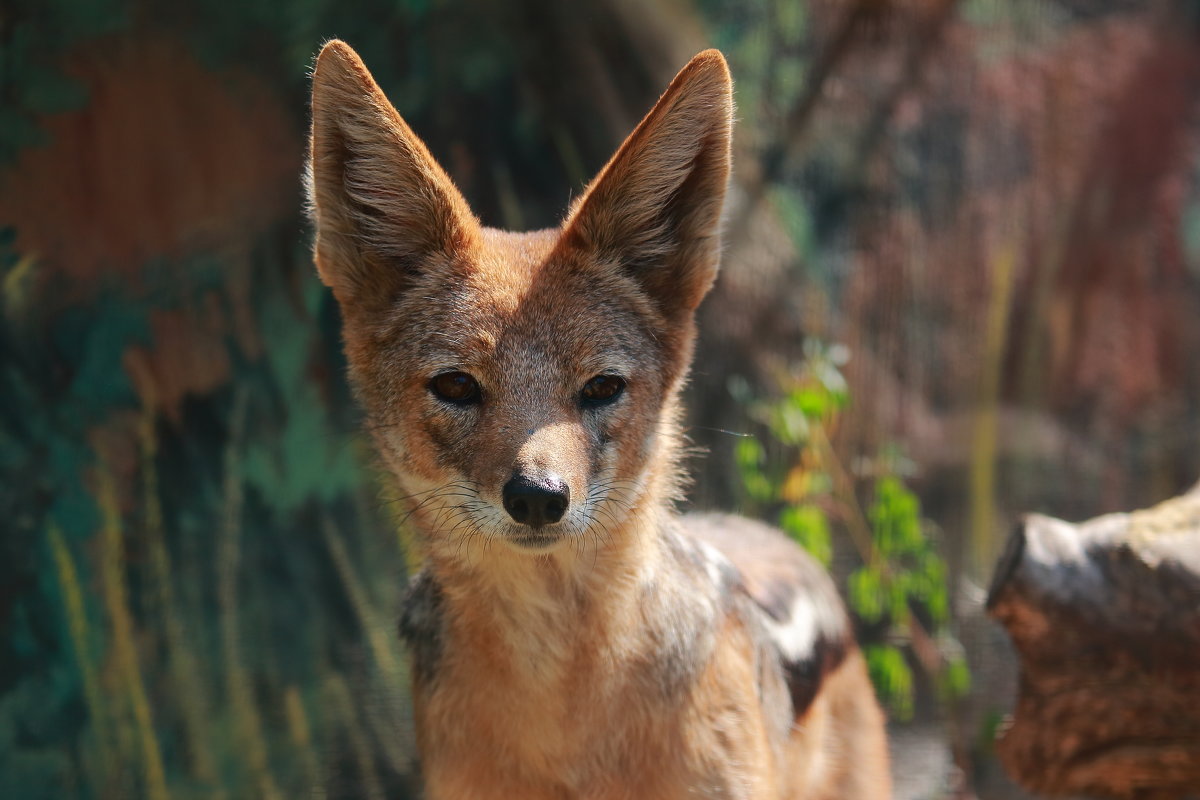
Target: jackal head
<point>521,386</point>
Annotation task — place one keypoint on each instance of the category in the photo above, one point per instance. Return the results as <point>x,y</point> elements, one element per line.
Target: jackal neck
<point>530,618</point>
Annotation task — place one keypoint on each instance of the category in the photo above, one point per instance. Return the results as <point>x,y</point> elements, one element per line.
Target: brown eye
<point>602,389</point>
<point>455,387</point>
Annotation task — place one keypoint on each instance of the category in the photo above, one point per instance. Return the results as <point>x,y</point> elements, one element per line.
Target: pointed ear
<point>655,208</point>
<point>381,205</point>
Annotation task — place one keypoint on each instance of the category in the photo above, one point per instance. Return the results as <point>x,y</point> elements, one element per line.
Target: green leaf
<point>809,528</point>
<point>866,594</point>
<point>814,402</point>
<point>749,456</point>
<point>956,680</point>
<point>897,594</point>
<point>789,423</point>
<point>748,453</point>
<point>892,677</point>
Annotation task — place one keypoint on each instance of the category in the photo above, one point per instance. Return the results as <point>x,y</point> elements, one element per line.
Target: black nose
<point>536,503</point>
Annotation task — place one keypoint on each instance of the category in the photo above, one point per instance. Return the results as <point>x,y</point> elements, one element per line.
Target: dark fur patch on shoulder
<point>804,677</point>
<point>421,624</point>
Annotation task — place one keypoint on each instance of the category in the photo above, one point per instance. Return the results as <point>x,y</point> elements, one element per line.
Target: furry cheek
<point>619,440</point>
<point>417,441</point>
<point>449,434</point>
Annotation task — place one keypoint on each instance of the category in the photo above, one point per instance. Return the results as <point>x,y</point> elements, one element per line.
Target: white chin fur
<point>533,544</point>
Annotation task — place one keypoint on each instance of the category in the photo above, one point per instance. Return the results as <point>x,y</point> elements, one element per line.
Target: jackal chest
<point>649,717</point>
<point>590,739</point>
<point>534,699</point>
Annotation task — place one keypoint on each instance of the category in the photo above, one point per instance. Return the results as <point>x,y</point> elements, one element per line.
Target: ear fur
<point>655,208</point>
<point>381,203</point>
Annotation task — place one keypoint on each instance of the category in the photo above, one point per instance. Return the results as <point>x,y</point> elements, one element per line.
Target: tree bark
<point>1105,617</point>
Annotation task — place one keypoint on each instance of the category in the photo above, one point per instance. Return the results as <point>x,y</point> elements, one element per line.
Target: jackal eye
<point>602,389</point>
<point>455,387</point>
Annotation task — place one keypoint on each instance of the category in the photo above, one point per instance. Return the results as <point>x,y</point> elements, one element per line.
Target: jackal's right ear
<point>381,204</point>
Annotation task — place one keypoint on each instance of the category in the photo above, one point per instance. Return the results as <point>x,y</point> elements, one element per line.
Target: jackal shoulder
<point>794,603</point>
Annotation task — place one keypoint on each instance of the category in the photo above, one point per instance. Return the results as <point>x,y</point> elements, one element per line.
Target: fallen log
<point>1105,618</point>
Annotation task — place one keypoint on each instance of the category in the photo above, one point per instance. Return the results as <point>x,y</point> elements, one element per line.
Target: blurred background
<point>961,282</point>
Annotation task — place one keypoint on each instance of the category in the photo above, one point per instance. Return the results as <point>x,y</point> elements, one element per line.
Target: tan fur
<point>613,653</point>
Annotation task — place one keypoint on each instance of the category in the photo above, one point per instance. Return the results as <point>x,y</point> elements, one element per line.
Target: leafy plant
<point>899,590</point>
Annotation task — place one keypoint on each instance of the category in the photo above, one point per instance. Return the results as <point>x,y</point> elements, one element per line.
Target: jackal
<point>572,636</point>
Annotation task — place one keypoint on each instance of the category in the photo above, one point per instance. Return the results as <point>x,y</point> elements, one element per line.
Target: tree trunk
<point>1105,617</point>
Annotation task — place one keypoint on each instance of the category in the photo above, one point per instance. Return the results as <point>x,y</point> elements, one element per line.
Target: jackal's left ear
<point>655,208</point>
